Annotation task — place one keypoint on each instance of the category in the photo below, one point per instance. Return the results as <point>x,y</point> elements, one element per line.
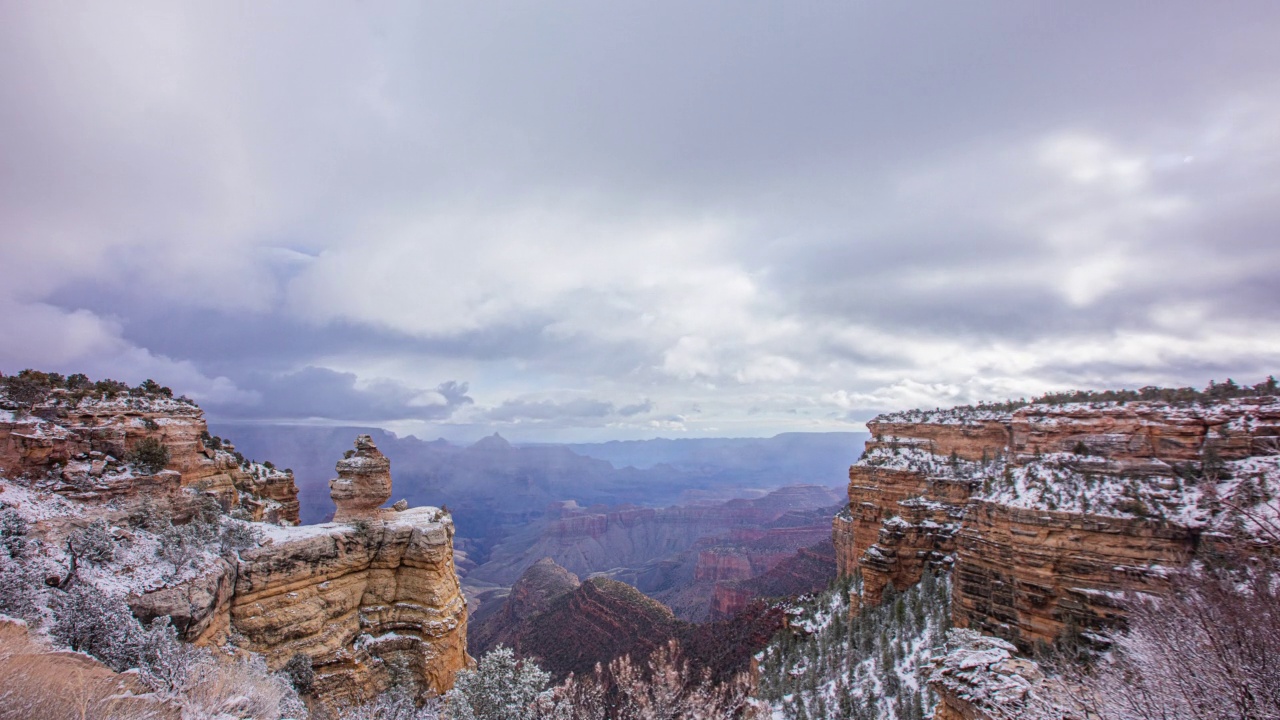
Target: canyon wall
<point>1049,513</point>
<point>599,538</point>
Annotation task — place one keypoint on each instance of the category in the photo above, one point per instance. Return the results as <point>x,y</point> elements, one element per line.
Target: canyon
<point>679,555</point>
<point>570,626</point>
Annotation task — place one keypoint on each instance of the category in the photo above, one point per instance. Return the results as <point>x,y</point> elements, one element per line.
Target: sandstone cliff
<point>360,599</point>
<point>90,446</point>
<point>357,600</point>
<point>1048,512</point>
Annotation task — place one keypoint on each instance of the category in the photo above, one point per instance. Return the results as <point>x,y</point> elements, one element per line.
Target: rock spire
<point>363,483</point>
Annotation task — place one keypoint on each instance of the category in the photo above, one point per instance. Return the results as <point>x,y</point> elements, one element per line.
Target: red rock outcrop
<point>809,570</point>
<point>533,593</point>
<point>602,619</point>
<point>1047,512</point>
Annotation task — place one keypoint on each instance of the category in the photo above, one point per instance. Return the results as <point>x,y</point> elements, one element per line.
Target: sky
<point>575,221</point>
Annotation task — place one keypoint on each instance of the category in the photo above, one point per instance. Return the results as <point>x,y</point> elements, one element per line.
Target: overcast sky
<point>594,220</point>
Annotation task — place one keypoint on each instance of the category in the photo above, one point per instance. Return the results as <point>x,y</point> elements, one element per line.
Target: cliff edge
<point>1048,512</point>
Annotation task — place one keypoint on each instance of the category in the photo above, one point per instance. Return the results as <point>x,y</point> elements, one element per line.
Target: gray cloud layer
<point>625,219</point>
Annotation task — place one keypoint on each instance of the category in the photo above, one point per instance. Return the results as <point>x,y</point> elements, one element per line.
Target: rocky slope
<point>1049,511</point>
<point>41,682</point>
<point>533,593</point>
<point>570,626</point>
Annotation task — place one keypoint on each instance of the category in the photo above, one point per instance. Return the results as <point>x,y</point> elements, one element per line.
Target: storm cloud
<point>588,221</point>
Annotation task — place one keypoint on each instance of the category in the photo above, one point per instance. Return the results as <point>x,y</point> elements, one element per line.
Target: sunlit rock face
<point>363,483</point>
<point>1049,513</point>
<point>371,594</point>
<point>359,601</point>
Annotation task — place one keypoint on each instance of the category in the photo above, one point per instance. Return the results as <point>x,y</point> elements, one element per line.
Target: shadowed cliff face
<point>809,570</point>
<point>570,627</point>
<point>533,593</point>
<point>1048,513</point>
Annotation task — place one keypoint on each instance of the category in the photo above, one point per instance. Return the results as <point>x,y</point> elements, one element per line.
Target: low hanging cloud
<point>576,410</point>
<point>315,393</point>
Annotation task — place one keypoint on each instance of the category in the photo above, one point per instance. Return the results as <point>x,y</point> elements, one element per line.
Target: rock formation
<point>809,570</point>
<point>363,483</point>
<point>1049,512</point>
<point>981,678</point>
<point>533,593</point>
<point>358,598</point>
<point>85,447</point>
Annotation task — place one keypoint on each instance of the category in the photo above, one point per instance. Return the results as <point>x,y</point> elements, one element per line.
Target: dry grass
<point>44,685</point>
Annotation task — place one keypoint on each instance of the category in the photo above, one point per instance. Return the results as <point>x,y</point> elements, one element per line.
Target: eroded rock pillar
<point>363,483</point>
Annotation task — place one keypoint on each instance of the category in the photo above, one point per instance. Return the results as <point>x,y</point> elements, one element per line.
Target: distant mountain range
<point>500,477</point>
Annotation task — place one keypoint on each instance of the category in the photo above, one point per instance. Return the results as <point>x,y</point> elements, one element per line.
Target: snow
<point>875,661</point>
<point>1088,485</point>
<point>285,533</point>
<point>35,506</point>
<point>984,671</point>
<point>961,415</point>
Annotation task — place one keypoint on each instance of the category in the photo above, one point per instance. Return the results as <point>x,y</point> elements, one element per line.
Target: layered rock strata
<point>809,570</point>
<point>358,598</point>
<point>81,447</point>
<point>1049,513</point>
